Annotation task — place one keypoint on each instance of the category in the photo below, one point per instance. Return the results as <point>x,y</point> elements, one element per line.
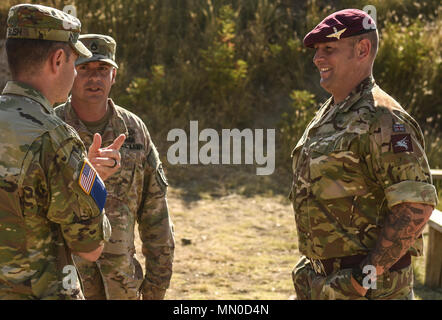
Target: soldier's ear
<point>56,59</point>
<point>363,48</point>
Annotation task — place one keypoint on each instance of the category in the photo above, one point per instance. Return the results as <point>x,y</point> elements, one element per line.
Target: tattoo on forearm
<point>402,226</point>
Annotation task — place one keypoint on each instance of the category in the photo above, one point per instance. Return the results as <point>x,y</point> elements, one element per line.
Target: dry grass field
<point>236,237</point>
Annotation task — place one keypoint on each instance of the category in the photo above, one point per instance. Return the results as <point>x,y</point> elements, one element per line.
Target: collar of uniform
<point>74,121</point>
<point>325,110</point>
<point>117,121</point>
<point>116,118</point>
<point>23,89</point>
<point>364,86</point>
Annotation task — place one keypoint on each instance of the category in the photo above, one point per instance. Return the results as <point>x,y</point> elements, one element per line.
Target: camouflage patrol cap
<point>32,21</point>
<point>102,48</point>
<point>341,24</point>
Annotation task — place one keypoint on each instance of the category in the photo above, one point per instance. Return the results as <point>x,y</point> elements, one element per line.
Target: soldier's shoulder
<point>388,116</point>
<point>377,100</point>
<point>388,109</point>
<point>62,134</point>
<point>378,105</point>
<point>23,114</point>
<point>17,102</point>
<point>136,127</point>
<point>28,123</point>
<point>130,118</point>
<point>384,102</point>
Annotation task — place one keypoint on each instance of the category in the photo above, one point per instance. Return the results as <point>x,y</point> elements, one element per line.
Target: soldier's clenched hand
<point>106,160</point>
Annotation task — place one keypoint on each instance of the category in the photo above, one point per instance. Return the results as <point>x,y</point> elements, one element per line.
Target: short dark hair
<point>373,37</point>
<point>28,55</point>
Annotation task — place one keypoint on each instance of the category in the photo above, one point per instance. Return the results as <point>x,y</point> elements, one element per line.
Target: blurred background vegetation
<point>241,64</point>
<point>237,64</point>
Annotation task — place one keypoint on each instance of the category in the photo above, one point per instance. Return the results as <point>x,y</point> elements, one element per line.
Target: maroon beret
<point>341,24</point>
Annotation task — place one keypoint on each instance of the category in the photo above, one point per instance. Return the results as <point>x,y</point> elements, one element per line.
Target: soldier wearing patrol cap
<point>51,197</point>
<point>362,189</point>
<point>137,193</point>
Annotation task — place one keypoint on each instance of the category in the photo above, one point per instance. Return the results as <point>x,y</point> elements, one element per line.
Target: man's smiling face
<point>336,63</point>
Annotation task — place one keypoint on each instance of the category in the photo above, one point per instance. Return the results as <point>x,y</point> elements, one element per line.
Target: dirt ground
<point>237,242</point>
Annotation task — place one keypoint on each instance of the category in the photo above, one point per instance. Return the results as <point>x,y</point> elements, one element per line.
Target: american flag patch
<point>398,127</point>
<point>87,177</point>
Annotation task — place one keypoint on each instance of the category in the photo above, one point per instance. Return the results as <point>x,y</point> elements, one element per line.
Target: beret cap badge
<point>336,34</point>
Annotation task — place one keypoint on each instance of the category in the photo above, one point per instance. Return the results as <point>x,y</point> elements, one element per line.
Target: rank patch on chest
<point>91,183</point>
<point>401,143</point>
<point>398,127</point>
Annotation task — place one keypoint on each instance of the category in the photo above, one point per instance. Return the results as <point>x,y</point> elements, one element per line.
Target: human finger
<point>109,153</point>
<point>96,144</point>
<point>118,142</point>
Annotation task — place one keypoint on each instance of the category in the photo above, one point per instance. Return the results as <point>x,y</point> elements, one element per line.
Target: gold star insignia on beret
<point>337,34</point>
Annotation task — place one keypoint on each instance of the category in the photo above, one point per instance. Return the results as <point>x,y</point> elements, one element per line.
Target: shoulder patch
<point>398,127</point>
<point>75,158</point>
<point>401,143</point>
<point>154,161</point>
<point>92,184</point>
<point>161,177</point>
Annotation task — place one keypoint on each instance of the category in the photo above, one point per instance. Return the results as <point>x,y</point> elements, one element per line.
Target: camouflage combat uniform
<point>44,213</point>
<point>136,193</point>
<point>354,162</point>
<point>51,200</point>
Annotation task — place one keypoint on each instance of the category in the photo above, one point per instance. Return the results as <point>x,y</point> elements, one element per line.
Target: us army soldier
<point>51,199</point>
<point>362,189</point>
<point>135,193</point>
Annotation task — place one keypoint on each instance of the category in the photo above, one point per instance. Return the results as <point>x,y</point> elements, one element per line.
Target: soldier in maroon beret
<point>362,189</point>
<point>346,44</point>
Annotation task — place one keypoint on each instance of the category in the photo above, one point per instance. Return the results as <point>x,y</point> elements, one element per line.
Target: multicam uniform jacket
<point>135,193</point>
<point>354,162</point>
<point>45,213</point>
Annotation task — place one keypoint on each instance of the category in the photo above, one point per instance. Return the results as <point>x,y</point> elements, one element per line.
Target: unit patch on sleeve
<point>401,143</point>
<point>398,127</point>
<point>92,184</point>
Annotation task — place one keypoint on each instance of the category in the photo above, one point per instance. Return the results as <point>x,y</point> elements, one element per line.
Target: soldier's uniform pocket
<point>336,286</point>
<point>394,285</point>
<point>121,182</point>
<point>302,276</point>
<point>335,170</point>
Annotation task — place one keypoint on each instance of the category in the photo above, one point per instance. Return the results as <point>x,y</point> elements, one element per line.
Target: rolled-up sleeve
<point>411,191</point>
<point>398,160</point>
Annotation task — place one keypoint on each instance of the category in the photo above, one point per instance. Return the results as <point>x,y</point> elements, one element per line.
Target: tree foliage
<point>241,63</point>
